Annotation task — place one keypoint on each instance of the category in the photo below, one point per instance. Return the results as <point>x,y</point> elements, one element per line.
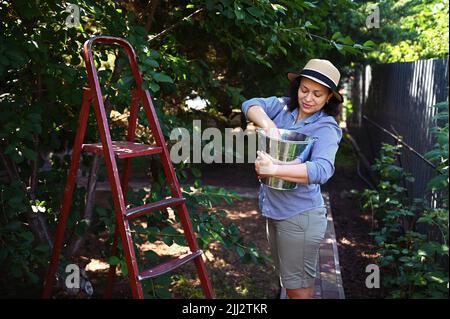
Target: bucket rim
<point>308,139</point>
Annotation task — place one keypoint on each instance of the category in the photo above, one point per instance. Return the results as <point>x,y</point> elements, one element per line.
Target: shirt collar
<point>309,119</point>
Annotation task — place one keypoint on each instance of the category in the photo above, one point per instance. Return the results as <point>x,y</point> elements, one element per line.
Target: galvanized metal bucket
<point>283,150</point>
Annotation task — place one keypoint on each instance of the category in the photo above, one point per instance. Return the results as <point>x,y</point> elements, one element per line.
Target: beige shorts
<point>294,244</point>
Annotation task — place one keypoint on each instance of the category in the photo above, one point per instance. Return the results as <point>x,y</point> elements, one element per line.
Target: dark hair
<point>333,107</point>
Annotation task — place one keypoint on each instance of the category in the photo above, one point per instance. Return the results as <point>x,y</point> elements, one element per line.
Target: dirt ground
<point>231,279</point>
<point>352,225</point>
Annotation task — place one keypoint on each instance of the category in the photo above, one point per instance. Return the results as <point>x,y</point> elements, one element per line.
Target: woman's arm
<point>265,167</point>
<point>317,170</point>
<point>257,115</point>
<point>263,111</point>
<point>297,173</point>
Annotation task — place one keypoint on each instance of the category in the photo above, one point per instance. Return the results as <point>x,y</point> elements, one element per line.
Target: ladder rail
<point>132,60</point>
<point>105,137</point>
<point>68,193</point>
<point>134,105</point>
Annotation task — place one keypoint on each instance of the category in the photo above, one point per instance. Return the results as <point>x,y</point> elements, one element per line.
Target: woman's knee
<point>301,293</point>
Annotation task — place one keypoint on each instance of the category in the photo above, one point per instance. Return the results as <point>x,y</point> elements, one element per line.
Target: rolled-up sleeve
<point>320,167</point>
<point>271,105</point>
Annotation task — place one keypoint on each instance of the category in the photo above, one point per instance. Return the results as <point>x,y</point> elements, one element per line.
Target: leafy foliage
<point>410,30</point>
<point>412,233</point>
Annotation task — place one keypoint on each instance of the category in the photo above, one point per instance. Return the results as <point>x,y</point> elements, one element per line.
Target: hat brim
<point>292,76</point>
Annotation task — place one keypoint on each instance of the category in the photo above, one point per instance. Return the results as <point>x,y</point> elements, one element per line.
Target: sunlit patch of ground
<point>230,277</point>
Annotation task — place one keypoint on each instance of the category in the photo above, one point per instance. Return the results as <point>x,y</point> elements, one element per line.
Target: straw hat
<point>322,72</point>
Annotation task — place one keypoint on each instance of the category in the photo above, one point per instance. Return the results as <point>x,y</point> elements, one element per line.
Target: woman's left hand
<point>264,165</point>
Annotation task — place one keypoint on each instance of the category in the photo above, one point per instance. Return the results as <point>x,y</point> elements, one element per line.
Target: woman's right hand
<point>272,132</point>
<point>257,115</point>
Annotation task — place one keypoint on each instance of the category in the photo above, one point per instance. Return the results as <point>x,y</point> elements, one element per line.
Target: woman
<point>296,219</point>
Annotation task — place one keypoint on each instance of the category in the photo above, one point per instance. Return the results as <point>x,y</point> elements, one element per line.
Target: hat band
<point>321,77</point>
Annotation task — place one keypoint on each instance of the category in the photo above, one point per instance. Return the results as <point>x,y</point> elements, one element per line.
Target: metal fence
<point>399,97</point>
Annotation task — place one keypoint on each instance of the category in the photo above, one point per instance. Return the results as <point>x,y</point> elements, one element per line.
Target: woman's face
<point>312,96</point>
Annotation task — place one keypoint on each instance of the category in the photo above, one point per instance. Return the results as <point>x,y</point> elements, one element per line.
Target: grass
<point>187,288</point>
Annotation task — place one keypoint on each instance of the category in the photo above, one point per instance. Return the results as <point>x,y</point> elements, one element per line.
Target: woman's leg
<point>297,244</point>
<point>272,240</point>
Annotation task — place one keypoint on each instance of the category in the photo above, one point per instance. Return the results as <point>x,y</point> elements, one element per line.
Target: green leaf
<point>279,8</point>
<point>338,46</point>
<point>152,63</point>
<point>441,105</point>
<point>309,5</point>
<point>441,116</point>
<point>347,40</point>
<point>369,43</point>
<point>239,13</point>
<point>255,12</point>
<point>351,49</point>
<point>164,280</point>
<point>123,267</point>
<point>308,24</point>
<point>179,240</point>
<point>154,87</point>
<point>336,35</point>
<point>126,81</point>
<point>168,241</point>
<point>283,50</point>
<point>161,77</point>
<point>240,251</point>
<point>151,256</point>
<point>113,260</point>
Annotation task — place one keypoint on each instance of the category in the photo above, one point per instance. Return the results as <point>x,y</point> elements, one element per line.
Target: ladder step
<point>148,208</point>
<point>124,149</point>
<point>168,265</point>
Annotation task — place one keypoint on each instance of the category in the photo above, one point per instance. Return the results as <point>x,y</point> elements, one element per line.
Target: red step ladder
<point>126,150</point>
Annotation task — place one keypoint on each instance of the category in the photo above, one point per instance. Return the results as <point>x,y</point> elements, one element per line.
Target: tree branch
<point>164,32</point>
<point>403,143</point>
<point>153,5</point>
<point>10,171</point>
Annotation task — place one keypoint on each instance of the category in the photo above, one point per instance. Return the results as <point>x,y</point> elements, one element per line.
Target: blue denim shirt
<point>282,204</point>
